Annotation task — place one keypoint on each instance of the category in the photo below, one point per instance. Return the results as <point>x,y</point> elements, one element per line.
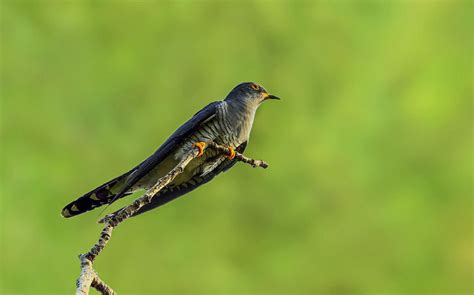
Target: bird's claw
<point>231,153</point>
<point>201,146</point>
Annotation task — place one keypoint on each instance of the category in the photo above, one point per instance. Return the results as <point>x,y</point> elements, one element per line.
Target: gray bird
<point>226,122</point>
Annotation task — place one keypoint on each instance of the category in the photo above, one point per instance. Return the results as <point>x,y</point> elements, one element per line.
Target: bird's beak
<point>269,96</point>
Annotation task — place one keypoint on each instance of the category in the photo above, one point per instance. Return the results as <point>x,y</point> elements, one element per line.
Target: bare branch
<point>238,156</point>
<point>89,277</point>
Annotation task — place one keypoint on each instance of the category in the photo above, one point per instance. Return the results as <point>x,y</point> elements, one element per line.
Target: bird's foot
<point>231,154</point>
<point>201,146</point>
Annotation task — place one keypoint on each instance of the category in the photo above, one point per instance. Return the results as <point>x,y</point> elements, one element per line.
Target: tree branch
<point>89,277</point>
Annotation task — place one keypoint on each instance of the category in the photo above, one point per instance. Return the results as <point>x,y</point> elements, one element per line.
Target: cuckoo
<point>226,122</point>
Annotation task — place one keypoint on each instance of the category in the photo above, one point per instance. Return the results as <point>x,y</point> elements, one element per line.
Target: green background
<point>369,189</point>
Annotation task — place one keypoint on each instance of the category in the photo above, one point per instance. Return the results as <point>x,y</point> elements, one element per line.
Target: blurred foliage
<point>370,185</point>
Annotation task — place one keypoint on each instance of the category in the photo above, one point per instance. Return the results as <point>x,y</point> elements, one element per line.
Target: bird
<point>227,122</point>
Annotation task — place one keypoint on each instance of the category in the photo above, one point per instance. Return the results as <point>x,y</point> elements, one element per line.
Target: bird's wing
<point>168,146</point>
<point>170,193</point>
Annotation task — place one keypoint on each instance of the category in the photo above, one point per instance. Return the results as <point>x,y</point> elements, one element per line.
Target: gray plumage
<point>226,122</point>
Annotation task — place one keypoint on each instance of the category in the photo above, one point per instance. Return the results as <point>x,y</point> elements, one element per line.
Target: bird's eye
<point>254,86</point>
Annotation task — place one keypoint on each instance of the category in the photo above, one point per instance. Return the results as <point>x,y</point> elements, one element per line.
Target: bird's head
<point>249,93</point>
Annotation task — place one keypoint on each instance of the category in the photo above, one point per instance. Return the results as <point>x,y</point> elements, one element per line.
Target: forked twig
<point>89,277</point>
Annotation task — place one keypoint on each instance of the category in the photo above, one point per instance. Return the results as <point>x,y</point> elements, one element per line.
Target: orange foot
<point>231,153</point>
<point>201,146</point>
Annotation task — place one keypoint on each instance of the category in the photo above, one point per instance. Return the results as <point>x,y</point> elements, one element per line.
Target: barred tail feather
<point>102,195</point>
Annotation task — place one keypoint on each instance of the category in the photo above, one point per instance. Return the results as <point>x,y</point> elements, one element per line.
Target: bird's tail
<point>102,195</point>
